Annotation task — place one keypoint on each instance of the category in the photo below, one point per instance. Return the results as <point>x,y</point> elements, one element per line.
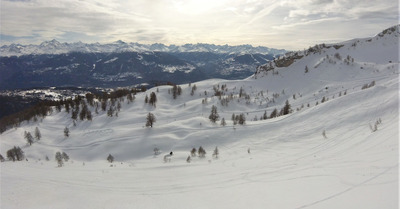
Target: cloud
<point>290,24</point>
<point>53,18</point>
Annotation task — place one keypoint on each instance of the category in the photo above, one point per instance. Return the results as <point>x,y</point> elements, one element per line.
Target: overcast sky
<point>287,24</point>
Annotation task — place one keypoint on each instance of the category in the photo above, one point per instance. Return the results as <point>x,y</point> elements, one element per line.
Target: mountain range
<point>123,64</point>
<point>56,47</point>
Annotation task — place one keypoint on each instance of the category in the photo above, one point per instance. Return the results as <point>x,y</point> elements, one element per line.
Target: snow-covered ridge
<point>359,49</point>
<point>55,47</point>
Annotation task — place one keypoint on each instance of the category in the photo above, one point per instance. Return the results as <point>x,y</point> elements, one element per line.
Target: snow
<point>111,60</point>
<point>171,69</point>
<point>290,164</point>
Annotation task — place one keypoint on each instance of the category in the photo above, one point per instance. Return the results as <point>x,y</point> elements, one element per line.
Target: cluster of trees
<point>286,109</point>
<point>220,91</point>
<point>153,99</point>
<point>76,106</point>
<point>30,139</point>
<point>201,153</point>
<point>194,88</point>
<point>61,158</point>
<point>214,114</point>
<point>40,110</point>
<point>366,86</point>
<point>176,91</point>
<point>348,60</point>
<point>113,100</point>
<point>375,126</point>
<point>15,153</point>
<point>241,119</point>
<point>238,119</point>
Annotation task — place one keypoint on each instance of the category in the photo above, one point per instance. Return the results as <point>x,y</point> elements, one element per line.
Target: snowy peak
<point>52,43</point>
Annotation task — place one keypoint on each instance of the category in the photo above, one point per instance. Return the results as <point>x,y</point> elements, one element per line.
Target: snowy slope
<point>290,164</point>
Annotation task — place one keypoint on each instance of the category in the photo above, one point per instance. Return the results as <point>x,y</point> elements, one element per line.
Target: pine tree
<point>11,154</point>
<point>274,113</point>
<point>89,115</point>
<point>286,109</point>
<point>119,106</point>
<point>223,123</point>
<point>201,152</point>
<point>65,157</point>
<point>265,117</point>
<point>110,158</point>
<point>1,158</point>
<point>324,134</point>
<point>38,135</point>
<point>59,159</point>
<point>216,152</point>
<point>214,114</point>
<point>241,92</point>
<point>74,114</point>
<point>66,105</point>
<point>29,138</point>
<point>176,91</point>
<point>242,119</point>
<point>194,87</point>
<point>66,132</point>
<point>90,98</point>
<point>153,99</point>
<point>83,113</point>
<point>104,105</point>
<point>130,97</point>
<point>151,119</point>
<point>193,152</point>
<point>110,111</point>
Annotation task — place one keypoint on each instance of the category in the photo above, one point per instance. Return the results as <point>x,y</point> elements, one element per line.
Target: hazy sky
<point>288,24</point>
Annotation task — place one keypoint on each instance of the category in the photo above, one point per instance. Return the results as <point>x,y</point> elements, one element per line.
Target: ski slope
<point>283,162</point>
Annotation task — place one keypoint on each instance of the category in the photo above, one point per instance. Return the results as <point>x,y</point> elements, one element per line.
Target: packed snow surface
<point>324,154</point>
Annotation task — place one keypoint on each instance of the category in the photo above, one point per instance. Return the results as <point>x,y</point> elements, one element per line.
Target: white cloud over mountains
<point>290,24</point>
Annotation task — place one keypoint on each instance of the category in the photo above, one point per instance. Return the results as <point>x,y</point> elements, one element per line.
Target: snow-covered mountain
<point>55,47</point>
<point>123,64</point>
<point>337,147</point>
<point>124,68</point>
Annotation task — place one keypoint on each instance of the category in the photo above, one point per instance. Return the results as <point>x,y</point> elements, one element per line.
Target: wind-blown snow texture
<point>290,164</point>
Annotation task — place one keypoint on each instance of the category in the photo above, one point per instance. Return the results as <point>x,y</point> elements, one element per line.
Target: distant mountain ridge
<point>117,64</point>
<point>56,47</point>
<point>116,69</point>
